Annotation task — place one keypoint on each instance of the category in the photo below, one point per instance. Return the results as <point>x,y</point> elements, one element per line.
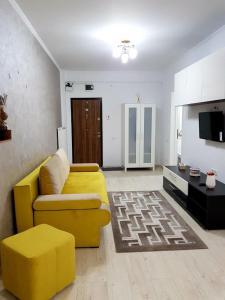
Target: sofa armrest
<point>67,202</point>
<point>84,167</point>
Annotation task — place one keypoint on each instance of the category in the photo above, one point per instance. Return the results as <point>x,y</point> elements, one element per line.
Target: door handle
<point>179,133</point>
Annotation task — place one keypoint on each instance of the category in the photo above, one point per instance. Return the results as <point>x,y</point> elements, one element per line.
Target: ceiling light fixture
<point>125,51</point>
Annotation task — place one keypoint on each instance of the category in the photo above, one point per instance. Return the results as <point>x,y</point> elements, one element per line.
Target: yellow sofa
<point>72,198</point>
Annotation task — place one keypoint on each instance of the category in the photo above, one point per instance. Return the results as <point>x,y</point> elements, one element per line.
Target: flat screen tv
<point>211,126</point>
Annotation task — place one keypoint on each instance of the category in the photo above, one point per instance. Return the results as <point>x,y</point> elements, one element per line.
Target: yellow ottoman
<point>38,263</point>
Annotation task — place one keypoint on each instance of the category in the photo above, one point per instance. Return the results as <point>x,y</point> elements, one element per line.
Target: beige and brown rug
<point>145,221</point>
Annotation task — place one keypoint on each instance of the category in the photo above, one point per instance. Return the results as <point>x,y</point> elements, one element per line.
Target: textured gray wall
<point>32,83</point>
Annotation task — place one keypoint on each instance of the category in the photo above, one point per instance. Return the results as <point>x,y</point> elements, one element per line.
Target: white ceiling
<point>81,33</point>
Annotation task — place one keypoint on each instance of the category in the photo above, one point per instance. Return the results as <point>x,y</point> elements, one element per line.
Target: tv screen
<point>211,126</point>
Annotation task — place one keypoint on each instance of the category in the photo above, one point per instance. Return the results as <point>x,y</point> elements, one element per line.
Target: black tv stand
<point>206,206</point>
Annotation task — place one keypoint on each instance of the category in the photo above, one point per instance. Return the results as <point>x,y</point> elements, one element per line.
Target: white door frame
<point>179,113</point>
<point>172,160</point>
<point>173,133</point>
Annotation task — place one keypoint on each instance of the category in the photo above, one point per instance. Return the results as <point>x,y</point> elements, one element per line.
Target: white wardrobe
<point>139,135</point>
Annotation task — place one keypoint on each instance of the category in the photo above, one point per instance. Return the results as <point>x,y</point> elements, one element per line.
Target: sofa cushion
<point>65,162</point>
<point>52,177</point>
<point>86,182</point>
<point>67,202</point>
<point>89,167</point>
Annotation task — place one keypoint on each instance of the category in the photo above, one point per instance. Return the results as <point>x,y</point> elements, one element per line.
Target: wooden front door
<point>87,130</point>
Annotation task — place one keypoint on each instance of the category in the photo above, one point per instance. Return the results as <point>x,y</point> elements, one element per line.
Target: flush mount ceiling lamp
<point>125,51</point>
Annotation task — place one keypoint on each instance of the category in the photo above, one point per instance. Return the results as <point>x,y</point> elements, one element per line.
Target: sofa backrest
<point>54,173</point>
<point>65,162</point>
<point>25,192</point>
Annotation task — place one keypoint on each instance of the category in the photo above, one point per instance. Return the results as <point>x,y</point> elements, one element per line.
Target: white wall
<point>115,88</point>
<point>195,151</point>
<point>121,87</point>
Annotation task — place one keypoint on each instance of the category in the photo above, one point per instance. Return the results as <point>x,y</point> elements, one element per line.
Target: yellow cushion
<point>52,176</point>
<point>91,167</point>
<point>86,182</point>
<point>38,263</point>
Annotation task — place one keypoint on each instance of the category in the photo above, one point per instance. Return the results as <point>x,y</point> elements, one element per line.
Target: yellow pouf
<point>38,263</point>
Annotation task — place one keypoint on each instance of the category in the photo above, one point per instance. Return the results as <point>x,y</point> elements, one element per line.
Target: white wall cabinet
<point>139,135</point>
<point>194,83</point>
<point>180,87</point>
<point>201,82</point>
<point>213,85</point>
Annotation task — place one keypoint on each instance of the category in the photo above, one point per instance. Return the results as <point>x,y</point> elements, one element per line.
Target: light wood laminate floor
<point>103,274</point>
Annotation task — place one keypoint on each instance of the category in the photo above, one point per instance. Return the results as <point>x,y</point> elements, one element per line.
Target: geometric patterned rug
<point>145,221</point>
